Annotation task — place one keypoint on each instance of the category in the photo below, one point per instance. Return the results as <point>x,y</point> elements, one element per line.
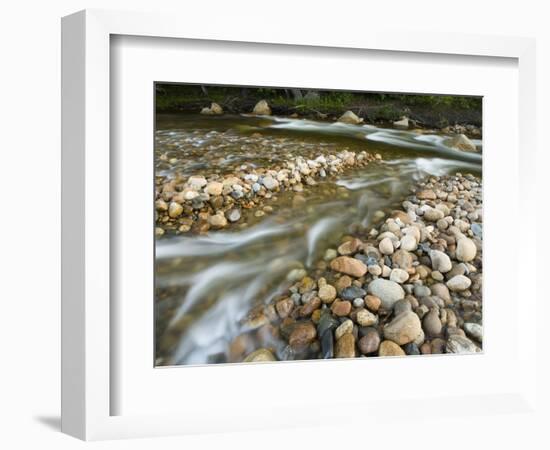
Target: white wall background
<point>30,193</point>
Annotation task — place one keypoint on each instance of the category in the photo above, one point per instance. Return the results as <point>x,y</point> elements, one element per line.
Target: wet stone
<point>352,292</point>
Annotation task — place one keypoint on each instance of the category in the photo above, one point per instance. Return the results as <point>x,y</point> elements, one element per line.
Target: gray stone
<point>440,261</point>
<point>459,283</point>
<point>474,330</point>
<point>352,292</point>
<point>461,344</point>
<point>404,328</point>
<point>387,291</point>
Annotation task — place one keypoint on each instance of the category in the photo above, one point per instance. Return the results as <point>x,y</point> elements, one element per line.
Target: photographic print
<point>298,224</point>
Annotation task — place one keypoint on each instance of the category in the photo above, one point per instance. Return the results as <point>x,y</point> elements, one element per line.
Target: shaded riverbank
<point>425,111</point>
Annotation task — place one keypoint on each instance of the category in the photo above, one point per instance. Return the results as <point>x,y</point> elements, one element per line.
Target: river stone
<point>387,291</point>
<point>440,261</point>
<point>403,259</point>
<point>433,215</point>
<point>345,327</point>
<point>389,348</point>
<point>372,302</point>
<point>461,142</point>
<point>477,229</point>
<point>214,110</point>
<point>330,254</point>
<point>474,330</point>
<point>175,210</point>
<point>284,307</point>
<point>404,328</point>
<point>233,215</point>
<point>426,194</point>
<point>340,308</point>
<point>296,275</point>
<point>327,345</point>
<point>345,346</point>
<point>399,276</point>
<point>270,183</point>
<point>302,334</point>
<point>365,318</point>
<point>437,346</point>
<point>352,292</point>
<point>465,249</point>
<point>402,124</point>
<point>349,266</point>
<point>343,282</point>
<point>370,342</point>
<point>263,354</point>
<point>349,247</point>
<point>411,349</point>
<point>401,306</point>
<point>214,188</point>
<point>217,221</point>
<point>431,323</point>
<point>197,182</point>
<point>350,117</point>
<point>262,108</point>
<point>358,302</point>
<point>375,270</point>
<point>422,291</point>
<point>327,293</point>
<point>386,246</point>
<point>460,344</point>
<point>326,322</point>
<point>441,291</point>
<point>459,283</point>
<point>408,242</point>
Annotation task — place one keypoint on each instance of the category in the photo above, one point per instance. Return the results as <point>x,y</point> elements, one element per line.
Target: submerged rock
<point>349,266</point>
<point>461,142</point>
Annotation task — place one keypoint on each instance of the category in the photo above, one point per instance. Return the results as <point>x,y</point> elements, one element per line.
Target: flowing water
<point>207,284</point>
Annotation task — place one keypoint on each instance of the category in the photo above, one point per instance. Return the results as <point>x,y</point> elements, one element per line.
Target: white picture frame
<point>88,386</point>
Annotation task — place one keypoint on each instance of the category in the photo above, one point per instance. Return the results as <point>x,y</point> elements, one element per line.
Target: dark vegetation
<point>426,110</point>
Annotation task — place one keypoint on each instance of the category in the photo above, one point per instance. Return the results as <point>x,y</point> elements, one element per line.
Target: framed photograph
<point>250,224</point>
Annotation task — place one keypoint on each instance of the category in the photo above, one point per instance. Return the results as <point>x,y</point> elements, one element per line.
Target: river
<point>207,283</point>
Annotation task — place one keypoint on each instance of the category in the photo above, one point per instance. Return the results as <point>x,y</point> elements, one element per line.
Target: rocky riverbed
<point>285,239</point>
<point>411,286</point>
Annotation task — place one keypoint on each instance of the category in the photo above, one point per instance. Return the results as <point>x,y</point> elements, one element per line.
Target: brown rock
<point>342,283</point>
<point>389,348</point>
<point>403,259</point>
<point>327,293</point>
<point>260,355</point>
<point>341,308</point>
<point>372,302</point>
<point>438,346</point>
<point>284,307</point>
<point>348,266</point>
<point>345,346</point>
<point>431,323</point>
<point>307,284</point>
<point>426,194</point>
<point>404,328</point>
<point>349,247</point>
<point>370,342</point>
<point>309,307</point>
<point>303,333</point>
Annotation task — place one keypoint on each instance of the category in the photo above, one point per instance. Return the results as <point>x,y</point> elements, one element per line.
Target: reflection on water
<point>207,284</point>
